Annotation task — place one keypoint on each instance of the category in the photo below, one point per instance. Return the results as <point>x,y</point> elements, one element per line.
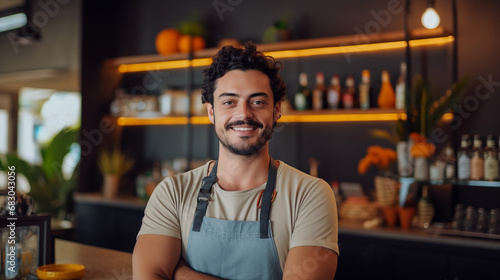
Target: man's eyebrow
<point>231,94</point>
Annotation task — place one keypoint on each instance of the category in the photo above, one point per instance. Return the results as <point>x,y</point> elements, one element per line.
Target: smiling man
<point>246,215</point>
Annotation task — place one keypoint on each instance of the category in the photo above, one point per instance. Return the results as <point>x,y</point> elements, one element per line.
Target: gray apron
<point>234,249</point>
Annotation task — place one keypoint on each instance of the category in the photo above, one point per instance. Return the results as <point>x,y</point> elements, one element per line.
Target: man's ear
<point>277,111</point>
<point>210,112</point>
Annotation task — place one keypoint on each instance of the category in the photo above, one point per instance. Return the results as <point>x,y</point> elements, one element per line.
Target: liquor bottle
<point>401,87</point>
<point>425,209</point>
<point>450,162</point>
<point>386,97</point>
<point>463,165</point>
<point>334,91</point>
<point>490,160</point>
<point>303,95</point>
<point>477,159</point>
<point>318,93</point>
<point>348,95</point>
<point>365,90</point>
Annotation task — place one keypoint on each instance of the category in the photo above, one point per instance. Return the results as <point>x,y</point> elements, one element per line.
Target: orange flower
<point>417,138</point>
<point>378,156</point>
<point>422,149</point>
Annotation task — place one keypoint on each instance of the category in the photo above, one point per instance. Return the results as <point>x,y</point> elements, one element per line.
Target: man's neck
<point>236,173</point>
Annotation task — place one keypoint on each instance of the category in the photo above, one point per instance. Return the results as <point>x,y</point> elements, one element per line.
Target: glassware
<point>481,224</point>
<point>458,217</point>
<point>470,218</point>
<point>493,224</point>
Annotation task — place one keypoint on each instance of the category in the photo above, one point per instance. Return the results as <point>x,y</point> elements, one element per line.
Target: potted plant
<point>423,110</point>
<point>113,165</point>
<point>50,189</point>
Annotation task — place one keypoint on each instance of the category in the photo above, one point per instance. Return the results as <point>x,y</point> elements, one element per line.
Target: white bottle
<point>463,165</point>
<point>490,160</point>
<point>401,87</point>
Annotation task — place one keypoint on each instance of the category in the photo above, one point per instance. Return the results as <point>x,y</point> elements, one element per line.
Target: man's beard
<point>246,150</point>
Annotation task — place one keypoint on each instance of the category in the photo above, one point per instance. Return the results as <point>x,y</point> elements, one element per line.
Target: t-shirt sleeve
<point>161,215</point>
<point>317,221</point>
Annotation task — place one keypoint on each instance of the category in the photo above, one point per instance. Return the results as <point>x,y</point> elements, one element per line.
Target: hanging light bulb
<point>430,18</point>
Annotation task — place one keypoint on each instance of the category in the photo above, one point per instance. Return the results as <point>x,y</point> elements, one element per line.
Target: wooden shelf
<point>290,49</point>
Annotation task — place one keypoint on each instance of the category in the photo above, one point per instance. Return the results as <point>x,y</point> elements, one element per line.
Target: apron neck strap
<point>204,197</point>
<point>206,189</point>
<point>267,199</point>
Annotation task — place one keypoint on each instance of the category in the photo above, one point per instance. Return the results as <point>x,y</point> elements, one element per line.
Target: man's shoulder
<point>188,177</point>
<point>288,170</point>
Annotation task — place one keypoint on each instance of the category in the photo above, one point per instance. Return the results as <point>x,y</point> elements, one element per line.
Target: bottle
<point>349,93</point>
<point>303,95</point>
<point>477,159</point>
<point>425,208</point>
<point>365,90</point>
<point>482,222</point>
<point>450,162</point>
<point>401,87</point>
<point>463,165</point>
<point>334,91</point>
<point>490,160</point>
<point>386,97</point>
<point>318,93</point>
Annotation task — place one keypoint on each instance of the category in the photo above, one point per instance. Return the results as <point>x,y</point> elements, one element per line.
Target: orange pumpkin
<point>186,40</point>
<point>167,41</point>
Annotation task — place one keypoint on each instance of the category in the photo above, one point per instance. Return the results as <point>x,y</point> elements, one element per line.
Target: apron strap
<point>267,199</point>
<point>204,197</point>
<point>206,189</point>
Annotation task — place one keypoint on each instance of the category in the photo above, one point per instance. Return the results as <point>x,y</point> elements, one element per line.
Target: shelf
<point>291,49</point>
<point>472,183</point>
<point>308,116</point>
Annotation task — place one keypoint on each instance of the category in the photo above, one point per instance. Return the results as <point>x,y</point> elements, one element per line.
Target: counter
<point>99,263</point>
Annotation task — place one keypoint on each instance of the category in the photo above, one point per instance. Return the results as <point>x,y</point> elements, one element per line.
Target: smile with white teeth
<point>243,128</point>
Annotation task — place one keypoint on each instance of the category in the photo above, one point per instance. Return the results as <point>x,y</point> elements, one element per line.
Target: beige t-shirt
<point>304,212</point>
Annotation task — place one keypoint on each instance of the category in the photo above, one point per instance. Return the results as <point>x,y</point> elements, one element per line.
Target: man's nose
<point>244,110</point>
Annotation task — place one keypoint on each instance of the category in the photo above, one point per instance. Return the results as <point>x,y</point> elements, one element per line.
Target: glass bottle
<point>470,218</point>
<point>386,96</point>
<point>463,165</point>
<point>481,224</point>
<point>365,90</point>
<point>425,208</point>
<point>477,159</point>
<point>303,95</point>
<point>490,160</point>
<point>494,220</point>
<point>401,87</point>
<point>334,91</point>
<point>450,162</point>
<point>458,217</point>
<point>318,93</point>
<point>349,93</point>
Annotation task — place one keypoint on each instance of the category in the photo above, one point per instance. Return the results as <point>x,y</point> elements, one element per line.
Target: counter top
<point>100,263</point>
<point>130,202</point>
<point>416,235</point>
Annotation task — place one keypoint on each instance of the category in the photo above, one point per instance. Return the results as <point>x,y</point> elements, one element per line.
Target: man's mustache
<point>246,122</point>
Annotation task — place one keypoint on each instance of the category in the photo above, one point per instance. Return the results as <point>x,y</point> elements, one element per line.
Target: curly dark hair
<point>231,58</point>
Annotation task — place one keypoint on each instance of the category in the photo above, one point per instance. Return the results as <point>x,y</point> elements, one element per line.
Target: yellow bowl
<point>60,271</point>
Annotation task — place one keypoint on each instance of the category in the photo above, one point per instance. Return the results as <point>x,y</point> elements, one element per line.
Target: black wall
<point>123,28</point>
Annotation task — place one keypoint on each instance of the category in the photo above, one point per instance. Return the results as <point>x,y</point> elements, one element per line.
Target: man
<point>245,216</point>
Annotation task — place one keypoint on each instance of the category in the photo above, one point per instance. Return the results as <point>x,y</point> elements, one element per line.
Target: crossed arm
<point>159,257</point>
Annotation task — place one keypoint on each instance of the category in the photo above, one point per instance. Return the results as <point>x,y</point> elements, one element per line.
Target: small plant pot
<point>111,185</point>
<point>390,215</point>
<point>406,215</point>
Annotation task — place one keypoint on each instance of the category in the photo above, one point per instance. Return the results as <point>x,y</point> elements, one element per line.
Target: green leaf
<point>53,155</point>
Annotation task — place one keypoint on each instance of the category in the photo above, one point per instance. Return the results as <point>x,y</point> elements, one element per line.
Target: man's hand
<point>310,262</point>
<point>155,257</point>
